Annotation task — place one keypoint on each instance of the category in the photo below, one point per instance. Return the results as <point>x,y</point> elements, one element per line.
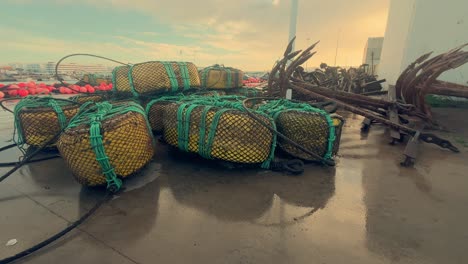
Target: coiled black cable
<point>58,235</point>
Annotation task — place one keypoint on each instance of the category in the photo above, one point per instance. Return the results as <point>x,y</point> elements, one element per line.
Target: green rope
<point>131,81</point>
<point>185,74</point>
<point>212,132</point>
<point>60,115</point>
<point>113,182</point>
<point>183,125</point>
<point>171,74</point>
<point>204,76</point>
<point>229,78</point>
<point>202,150</point>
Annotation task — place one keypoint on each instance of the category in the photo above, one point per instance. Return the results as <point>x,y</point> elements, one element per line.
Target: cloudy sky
<point>249,34</point>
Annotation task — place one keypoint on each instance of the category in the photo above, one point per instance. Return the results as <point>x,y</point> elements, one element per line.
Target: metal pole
<point>292,33</point>
<point>293,22</point>
<point>337,44</point>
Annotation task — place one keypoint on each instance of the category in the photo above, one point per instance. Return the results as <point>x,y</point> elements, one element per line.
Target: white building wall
<point>398,25</point>
<point>416,27</point>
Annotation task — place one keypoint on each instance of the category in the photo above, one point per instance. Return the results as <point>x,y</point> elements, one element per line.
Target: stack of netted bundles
<point>220,77</point>
<point>155,77</point>
<point>39,119</point>
<point>221,133</point>
<point>106,142</point>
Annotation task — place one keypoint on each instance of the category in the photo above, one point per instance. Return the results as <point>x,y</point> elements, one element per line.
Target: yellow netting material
<point>309,130</point>
<point>234,137</point>
<point>127,142</point>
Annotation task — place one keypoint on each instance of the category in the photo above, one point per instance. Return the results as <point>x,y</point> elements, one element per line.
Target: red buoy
<point>23,92</point>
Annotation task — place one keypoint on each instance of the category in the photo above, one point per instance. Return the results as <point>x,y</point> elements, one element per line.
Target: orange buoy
<point>2,94</point>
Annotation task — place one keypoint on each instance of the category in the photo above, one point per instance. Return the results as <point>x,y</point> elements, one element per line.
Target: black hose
<point>294,166</point>
<point>27,158</point>
<point>46,242</point>
<point>11,164</point>
<point>81,54</point>
<point>58,235</point>
<point>8,147</point>
<point>328,162</point>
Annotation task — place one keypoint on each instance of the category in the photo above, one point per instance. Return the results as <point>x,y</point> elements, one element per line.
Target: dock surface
<point>183,209</point>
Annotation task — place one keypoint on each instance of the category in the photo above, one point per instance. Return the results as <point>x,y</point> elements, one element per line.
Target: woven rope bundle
<point>218,133</point>
<point>310,130</point>
<point>220,77</point>
<point>39,119</point>
<point>120,80</point>
<point>158,77</point>
<point>155,111</point>
<point>308,126</point>
<point>107,142</point>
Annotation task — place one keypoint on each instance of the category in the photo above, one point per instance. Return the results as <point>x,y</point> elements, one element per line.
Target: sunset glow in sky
<point>248,34</point>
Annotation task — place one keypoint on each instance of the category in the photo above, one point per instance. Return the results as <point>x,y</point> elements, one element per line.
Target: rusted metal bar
<point>448,89</point>
<point>429,138</point>
<point>420,78</point>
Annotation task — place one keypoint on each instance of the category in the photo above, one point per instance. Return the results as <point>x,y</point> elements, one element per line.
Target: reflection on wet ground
<point>183,209</point>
